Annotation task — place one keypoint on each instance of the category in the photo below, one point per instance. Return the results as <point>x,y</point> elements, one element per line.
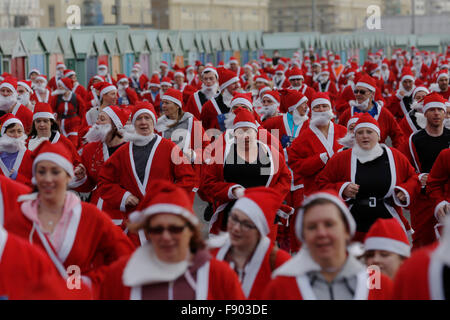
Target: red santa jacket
<point>347,95</point>
<point>214,280</point>
<point>195,105</point>
<point>25,115</point>
<point>309,153</point>
<point>397,106</point>
<point>330,88</point>
<point>420,277</point>
<point>438,183</point>
<point>91,242</point>
<point>22,166</point>
<point>445,94</point>
<point>118,178</point>
<point>147,96</point>
<point>340,171</point>
<point>131,96</point>
<point>10,190</point>
<point>80,91</point>
<point>36,97</point>
<point>259,269</point>
<point>386,121</point>
<point>306,91</point>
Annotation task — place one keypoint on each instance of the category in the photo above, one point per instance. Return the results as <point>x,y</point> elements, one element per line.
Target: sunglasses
<point>172,229</point>
<point>360,91</point>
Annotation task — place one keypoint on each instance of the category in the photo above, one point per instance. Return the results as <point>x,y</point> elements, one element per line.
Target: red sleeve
<point>439,177</point>
<point>301,160</point>
<point>333,175</point>
<point>394,130</point>
<point>224,284</point>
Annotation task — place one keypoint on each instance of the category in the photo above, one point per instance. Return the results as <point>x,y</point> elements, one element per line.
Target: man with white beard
<point>24,93</point>
<point>400,103</point>
<point>415,120</point>
<point>214,111</point>
<point>210,85</point>
<point>41,92</point>
<point>420,69</point>
<point>365,102</point>
<point>279,78</point>
<point>126,95</point>
<point>102,70</point>
<point>191,77</point>
<point>310,152</point>
<point>60,67</point>
<point>9,103</point>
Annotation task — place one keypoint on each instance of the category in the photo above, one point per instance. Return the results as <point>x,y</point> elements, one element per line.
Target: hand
<point>80,172</point>
<point>132,201</point>
<point>441,213</point>
<point>238,192</point>
<point>351,190</point>
<point>401,196</point>
<point>11,173</point>
<point>423,179</point>
<point>402,93</point>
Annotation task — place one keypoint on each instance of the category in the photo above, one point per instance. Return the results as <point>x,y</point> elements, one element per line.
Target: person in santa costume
<point>9,103</point>
<point>41,92</point>
<point>107,97</point>
<point>337,68</point>
<point>386,246</point>
<point>179,82</point>
<point>71,232</point>
<point>174,264</point>
<point>365,103</point>
<point>270,107</point>
<point>102,70</point>
<point>125,95</point>
<point>438,186</point>
<point>235,67</point>
<point>213,111</point>
<point>423,148</point>
<point>324,269</point>
<point>192,78</point>
<point>70,109</point>
<point>400,103</point>
<point>166,83</point>
<point>388,79</point>
<point>78,89</point>
<point>247,77</point>
<point>152,94</point>
<point>93,99</point>
<point>103,139</point>
<point>15,159</point>
<point>415,120</point>
<point>419,68</point>
<point>376,181</point>
<point>138,80</point>
<point>325,84</point>
<point>442,84</point>
<point>424,276</point>
<point>257,100</point>
<point>297,82</point>
<point>125,177</point>
<point>312,149</point>
<point>279,77</point>
<point>240,159</point>
<point>245,246</point>
<point>32,75</point>
<point>165,71</point>
<point>24,93</point>
<point>60,67</point>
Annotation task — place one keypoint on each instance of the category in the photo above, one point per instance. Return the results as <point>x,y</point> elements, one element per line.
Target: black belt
<point>373,201</point>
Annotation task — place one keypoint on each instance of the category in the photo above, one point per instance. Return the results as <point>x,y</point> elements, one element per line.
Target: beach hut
<point>54,50</point>
<point>14,53</point>
<point>127,51</point>
<point>35,49</point>
<point>166,50</point>
<point>141,50</point>
<point>86,55</point>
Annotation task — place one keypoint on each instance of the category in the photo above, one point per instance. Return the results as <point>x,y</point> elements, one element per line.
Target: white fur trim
<point>178,73</point>
<point>295,77</point>
<point>45,115</point>
<point>110,112</point>
<point>441,76</point>
<point>141,111</point>
<point>269,96</point>
<point>318,101</point>
<point>434,104</point>
<point>245,124</point>
<point>397,200</point>
<point>230,191</point>
<point>210,70</point>
<point>26,86</point>
<point>164,83</point>
<point>124,199</point>
<point>388,244</point>
<point>367,125</point>
<point>254,212</point>
<point>63,85</point>
<point>9,86</point>
<point>295,106</point>
<point>241,101</point>
<point>68,74</point>
<point>324,157</point>
<point>341,190</point>
<point>365,85</point>
<point>170,208</point>
<point>8,122</point>
<point>55,158</point>
<point>407,77</point>
<point>106,90</point>
<point>439,206</point>
<point>170,98</point>
<point>261,79</point>
<point>229,82</point>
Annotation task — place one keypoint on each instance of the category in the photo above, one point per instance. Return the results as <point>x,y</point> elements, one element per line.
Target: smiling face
<point>325,234</point>
<point>51,180</point>
<point>388,262</point>
<point>366,138</point>
<point>243,232</point>
<point>144,124</point>
<point>362,94</point>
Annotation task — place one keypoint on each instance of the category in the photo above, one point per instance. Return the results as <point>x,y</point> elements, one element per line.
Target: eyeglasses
<point>244,225</point>
<point>360,91</point>
<point>172,229</point>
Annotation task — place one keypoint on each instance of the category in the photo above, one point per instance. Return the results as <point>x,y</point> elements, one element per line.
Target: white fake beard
<point>210,91</point>
<point>227,97</point>
<point>102,72</point>
<point>418,106</point>
<point>321,118</point>
<point>41,89</point>
<point>190,77</point>
<point>299,119</point>
<point>98,132</point>
<point>348,140</point>
<point>122,90</point>
<point>323,79</point>
<point>268,111</point>
<point>361,106</point>
<point>24,98</point>
<point>229,120</point>
<point>59,74</point>
<point>296,88</point>
<point>58,92</point>
<point>12,145</point>
<point>7,102</point>
<point>163,123</point>
<point>138,139</point>
<point>447,123</point>
<point>129,128</point>
<point>421,120</point>
<point>367,155</point>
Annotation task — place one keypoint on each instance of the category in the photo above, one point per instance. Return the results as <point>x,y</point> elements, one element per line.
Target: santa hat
<point>244,118</point>
<point>166,197</point>
<point>164,64</point>
<point>280,68</point>
<point>296,73</point>
<point>354,119</point>
<point>291,100</point>
<point>367,82</point>
<point>173,95</point>
<point>43,110</point>
<point>198,63</point>
<point>98,77</point>
<point>226,78</point>
<point>26,84</point>
<point>154,81</point>
<point>320,98</point>
<point>233,60</point>
<point>122,78</point>
<point>166,81</point>
<point>189,68</point>
<point>33,71</point>
<point>262,78</point>
<point>274,96</point>
<point>385,62</point>
<point>420,88</point>
<point>178,73</point>
<point>42,77</point>
<point>143,107</point>
<point>323,60</point>
<point>337,58</point>
<point>247,66</point>
<point>105,88</point>
<point>66,83</point>
<point>442,74</point>
<point>10,83</point>
<point>210,69</point>
<point>367,121</point>
<point>325,70</point>
<point>68,73</point>
<point>56,153</point>
<point>260,204</point>
<point>60,65</point>
<point>119,116</point>
<point>407,75</point>
<point>242,98</point>
<point>264,89</point>
<point>387,235</point>
<point>433,100</point>
<point>7,120</point>
<point>102,64</point>
<point>221,63</point>
<point>332,196</point>
<point>137,66</point>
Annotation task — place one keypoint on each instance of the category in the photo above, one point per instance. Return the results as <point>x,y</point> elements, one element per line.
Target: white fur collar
<point>163,122</point>
<point>33,143</point>
<point>367,155</point>
<point>444,245</point>
<point>145,268</point>
<point>300,264</point>
<point>217,241</point>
